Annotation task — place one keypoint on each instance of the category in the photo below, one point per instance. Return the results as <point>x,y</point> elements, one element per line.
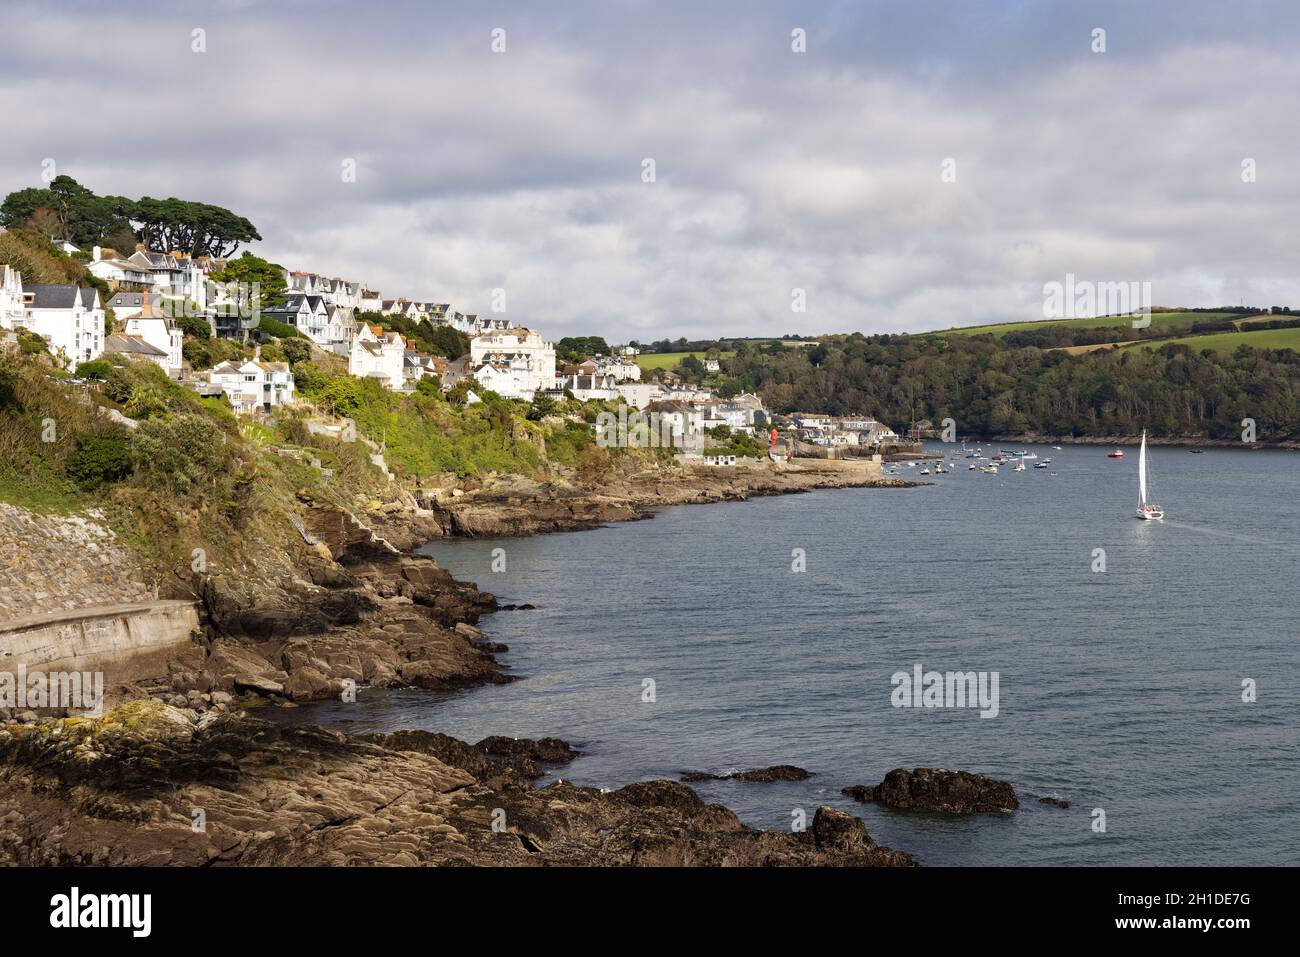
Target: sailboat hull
<point>1150,514</point>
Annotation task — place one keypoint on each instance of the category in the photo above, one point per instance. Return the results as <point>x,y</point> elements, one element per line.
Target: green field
<point>1159,320</point>
<point>1227,341</point>
<point>666,360</point>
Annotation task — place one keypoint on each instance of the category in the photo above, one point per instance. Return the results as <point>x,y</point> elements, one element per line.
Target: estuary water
<point>1120,690</point>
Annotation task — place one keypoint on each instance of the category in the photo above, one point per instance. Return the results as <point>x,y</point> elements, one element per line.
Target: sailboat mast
<point>1142,471</point>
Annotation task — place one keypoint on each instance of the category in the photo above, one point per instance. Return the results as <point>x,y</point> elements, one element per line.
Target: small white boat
<point>1146,511</point>
<point>1018,467</point>
<point>1056,448</point>
<point>1042,464</point>
<point>924,472</point>
<point>971,467</point>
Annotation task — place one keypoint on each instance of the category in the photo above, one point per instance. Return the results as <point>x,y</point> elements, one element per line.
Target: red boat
<point>1117,454</point>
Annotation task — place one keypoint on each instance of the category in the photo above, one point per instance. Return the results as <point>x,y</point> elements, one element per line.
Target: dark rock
<point>1057,802</point>
<point>860,792</point>
<point>938,789</point>
<point>777,772</point>
<point>837,831</point>
<point>120,791</point>
<point>551,750</point>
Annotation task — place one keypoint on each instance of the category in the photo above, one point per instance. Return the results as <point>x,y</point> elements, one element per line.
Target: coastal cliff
<point>336,605</point>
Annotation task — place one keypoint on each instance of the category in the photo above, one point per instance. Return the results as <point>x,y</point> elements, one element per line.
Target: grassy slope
<point>666,360</point>
<point>1227,341</point>
<point>1159,320</point>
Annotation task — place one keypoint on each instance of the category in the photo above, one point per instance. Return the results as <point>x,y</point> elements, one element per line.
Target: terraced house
<point>254,385</point>
<point>69,318</point>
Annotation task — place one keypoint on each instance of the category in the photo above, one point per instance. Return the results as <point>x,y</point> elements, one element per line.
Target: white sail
<point>1142,471</point>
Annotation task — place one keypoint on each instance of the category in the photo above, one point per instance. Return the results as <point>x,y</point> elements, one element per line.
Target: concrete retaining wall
<point>96,639</point>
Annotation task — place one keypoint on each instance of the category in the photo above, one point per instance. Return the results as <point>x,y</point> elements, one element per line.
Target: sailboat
<point>1147,512</point>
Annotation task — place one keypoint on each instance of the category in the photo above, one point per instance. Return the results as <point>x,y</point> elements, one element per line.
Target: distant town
<point>150,290</point>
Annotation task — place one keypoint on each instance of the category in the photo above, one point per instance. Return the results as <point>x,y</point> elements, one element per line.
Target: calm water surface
<point>1119,690</point>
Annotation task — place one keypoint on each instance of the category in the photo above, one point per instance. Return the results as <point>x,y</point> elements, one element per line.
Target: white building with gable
<point>377,355</point>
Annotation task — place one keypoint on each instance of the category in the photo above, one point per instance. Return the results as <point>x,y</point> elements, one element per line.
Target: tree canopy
<point>66,210</point>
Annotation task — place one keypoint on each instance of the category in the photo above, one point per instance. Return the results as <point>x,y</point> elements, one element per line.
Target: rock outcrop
<point>938,789</point>
<point>777,772</point>
<point>513,506</point>
<point>149,784</point>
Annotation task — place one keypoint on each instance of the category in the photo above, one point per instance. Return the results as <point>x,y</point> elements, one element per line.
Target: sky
<point>919,165</point>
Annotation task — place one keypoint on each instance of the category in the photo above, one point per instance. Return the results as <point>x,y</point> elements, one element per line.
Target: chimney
<point>94,254</point>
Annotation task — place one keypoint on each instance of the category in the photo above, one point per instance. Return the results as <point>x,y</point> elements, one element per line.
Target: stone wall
<point>54,563</point>
<point>104,641</point>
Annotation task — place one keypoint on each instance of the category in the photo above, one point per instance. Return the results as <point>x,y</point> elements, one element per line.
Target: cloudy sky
<point>773,170</point>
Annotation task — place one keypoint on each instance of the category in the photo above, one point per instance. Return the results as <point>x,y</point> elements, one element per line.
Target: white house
<point>508,378</point>
<point>329,326</point>
<point>254,386</point>
<point>400,307</point>
<point>377,355</point>
<point>11,297</point>
<point>161,332</point>
<point>136,347</point>
<point>417,366</point>
<point>639,395</point>
<point>587,386</point>
<point>121,272</point>
<point>69,318</point>
<point>521,350</point>
<point>623,370</point>
<point>684,423</point>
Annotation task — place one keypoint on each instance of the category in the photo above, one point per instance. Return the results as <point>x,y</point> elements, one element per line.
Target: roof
<point>60,297</point>
<point>134,300</point>
<point>130,345</point>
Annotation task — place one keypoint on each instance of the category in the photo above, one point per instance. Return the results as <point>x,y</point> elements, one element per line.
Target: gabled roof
<point>130,345</point>
<point>60,297</point>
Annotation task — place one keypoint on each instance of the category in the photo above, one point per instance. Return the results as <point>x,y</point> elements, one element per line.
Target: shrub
<point>278,329</point>
<point>296,350</point>
<point>196,326</point>
<point>98,460</point>
<point>541,407</point>
<point>179,450</point>
<point>94,369</point>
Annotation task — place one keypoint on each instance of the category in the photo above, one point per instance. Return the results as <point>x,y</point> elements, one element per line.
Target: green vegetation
<point>250,269</point>
<point>578,348</point>
<point>1160,319</point>
<point>1229,341</point>
<point>421,335</point>
<point>667,360</point>
<point>735,443</point>
<point>1171,389</point>
<point>66,210</point>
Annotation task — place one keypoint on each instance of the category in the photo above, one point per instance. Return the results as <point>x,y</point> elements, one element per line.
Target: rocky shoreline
<point>349,608</point>
<point>513,507</point>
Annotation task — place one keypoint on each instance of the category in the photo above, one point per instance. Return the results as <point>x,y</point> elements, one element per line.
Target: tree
<point>195,228</point>
<point>541,407</point>
<point>46,223</point>
<point>165,224</point>
<point>249,269</point>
